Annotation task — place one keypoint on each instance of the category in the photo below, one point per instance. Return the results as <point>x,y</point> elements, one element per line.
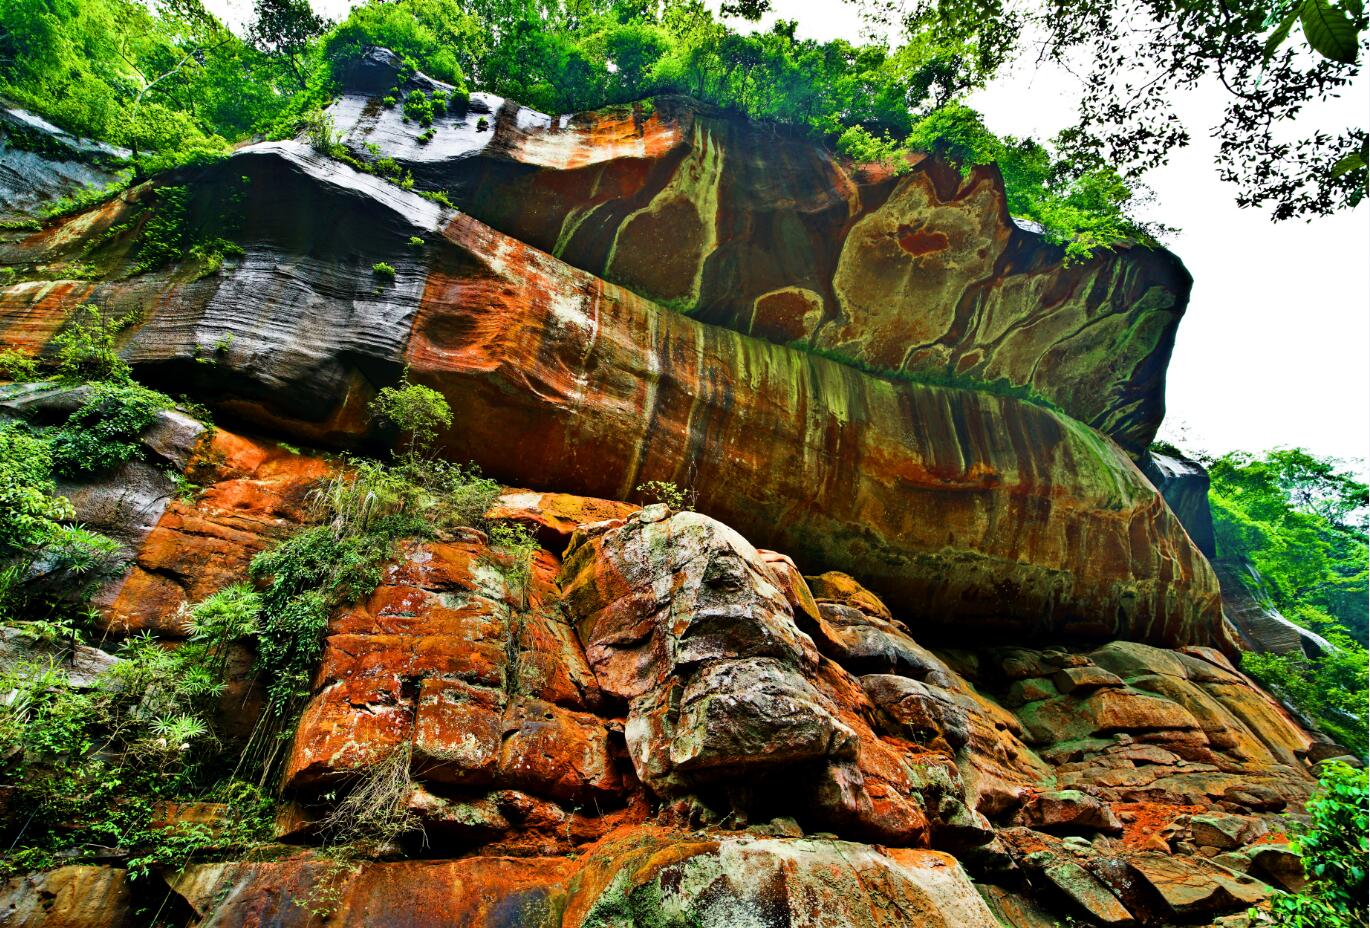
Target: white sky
<point>1275,347</point>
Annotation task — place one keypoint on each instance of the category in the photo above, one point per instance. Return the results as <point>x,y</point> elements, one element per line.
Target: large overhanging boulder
<point>965,509</point>
<point>764,231</point>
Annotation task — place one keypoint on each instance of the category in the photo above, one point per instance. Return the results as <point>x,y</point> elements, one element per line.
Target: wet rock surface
<point>979,676</point>
<point>1026,521</point>
<point>772,236</point>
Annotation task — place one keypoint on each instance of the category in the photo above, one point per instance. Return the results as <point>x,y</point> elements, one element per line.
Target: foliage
<point>223,618</point>
<point>166,78</point>
<point>30,509</point>
<point>515,544</point>
<point>103,432</point>
<point>17,366</point>
<point>1140,59</point>
<point>85,348</point>
<point>383,271</point>
<point>664,491</point>
<point>90,765</point>
<point>416,410</point>
<point>1301,522</point>
<point>1335,857</point>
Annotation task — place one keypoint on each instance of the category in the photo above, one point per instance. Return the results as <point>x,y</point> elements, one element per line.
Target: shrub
<point>103,432</point>
<point>17,366</point>
<point>30,509</point>
<point>1335,857</point>
<point>318,129</point>
<point>516,546</point>
<point>223,618</point>
<point>383,271</point>
<point>419,108</point>
<point>664,491</point>
<point>414,242</point>
<point>426,135</point>
<point>86,347</point>
<point>482,124</point>
<point>416,410</point>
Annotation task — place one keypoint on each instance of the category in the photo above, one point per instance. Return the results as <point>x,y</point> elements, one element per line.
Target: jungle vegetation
<point>170,83</point>
<point>1301,520</point>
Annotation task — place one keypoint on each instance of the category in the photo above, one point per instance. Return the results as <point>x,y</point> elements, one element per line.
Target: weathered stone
<point>1068,810</point>
<point>773,236</point>
<point>563,380</point>
<point>1277,864</point>
<point>68,897</point>
<point>1082,679</point>
<point>1081,888</point>
<point>554,517</point>
<point>1193,886</point>
<point>837,587</point>
<point>1224,832</point>
<point>1246,603</point>
<point>1102,711</point>
<point>770,881</point>
<point>1184,484</point>
<point>918,711</point>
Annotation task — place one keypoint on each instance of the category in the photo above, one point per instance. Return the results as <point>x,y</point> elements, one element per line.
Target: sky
<point>1274,350</point>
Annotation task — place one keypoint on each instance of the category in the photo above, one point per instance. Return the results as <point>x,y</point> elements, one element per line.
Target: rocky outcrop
<point>635,879</point>
<point>671,720</point>
<point>960,506</point>
<point>1261,626</point>
<point>39,162</point>
<point>766,232</point>
<point>1184,484</point>
<point>978,676</point>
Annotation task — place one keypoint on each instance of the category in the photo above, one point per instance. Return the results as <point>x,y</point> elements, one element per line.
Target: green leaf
<point>1281,33</point>
<point>1352,162</point>
<point>1330,30</point>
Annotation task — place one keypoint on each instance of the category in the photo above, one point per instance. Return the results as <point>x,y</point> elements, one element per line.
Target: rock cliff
<point>920,654</point>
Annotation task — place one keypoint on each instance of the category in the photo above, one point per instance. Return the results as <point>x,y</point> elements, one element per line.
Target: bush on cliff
<point>1336,858</point>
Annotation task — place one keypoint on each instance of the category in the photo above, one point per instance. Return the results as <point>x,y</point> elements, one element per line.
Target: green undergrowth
<point>1336,858</point>
<point>934,378</point>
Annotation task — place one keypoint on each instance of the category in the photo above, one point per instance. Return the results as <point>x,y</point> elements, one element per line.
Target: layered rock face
<point>923,655</point>
<point>959,505</point>
<point>765,232</point>
<point>672,724</point>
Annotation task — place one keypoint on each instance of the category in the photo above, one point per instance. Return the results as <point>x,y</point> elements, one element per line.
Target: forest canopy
<point>1302,522</point>
<point>173,84</point>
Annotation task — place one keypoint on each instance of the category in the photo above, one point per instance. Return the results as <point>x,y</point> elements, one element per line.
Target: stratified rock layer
<point>961,506</point>
<point>766,232</point>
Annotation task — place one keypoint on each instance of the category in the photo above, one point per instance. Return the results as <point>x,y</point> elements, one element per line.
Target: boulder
<point>1068,810</point>
<point>77,896</point>
<point>1195,887</point>
<point>1184,484</point>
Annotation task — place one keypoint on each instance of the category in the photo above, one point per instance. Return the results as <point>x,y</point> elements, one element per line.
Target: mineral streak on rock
<point>766,232</point>
<point>958,505</point>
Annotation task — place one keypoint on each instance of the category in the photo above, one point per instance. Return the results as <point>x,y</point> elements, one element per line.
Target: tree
<point>417,410</point>
<point>286,28</point>
<point>1142,55</point>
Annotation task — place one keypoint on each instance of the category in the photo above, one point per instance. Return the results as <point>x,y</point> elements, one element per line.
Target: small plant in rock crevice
<point>669,493</point>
